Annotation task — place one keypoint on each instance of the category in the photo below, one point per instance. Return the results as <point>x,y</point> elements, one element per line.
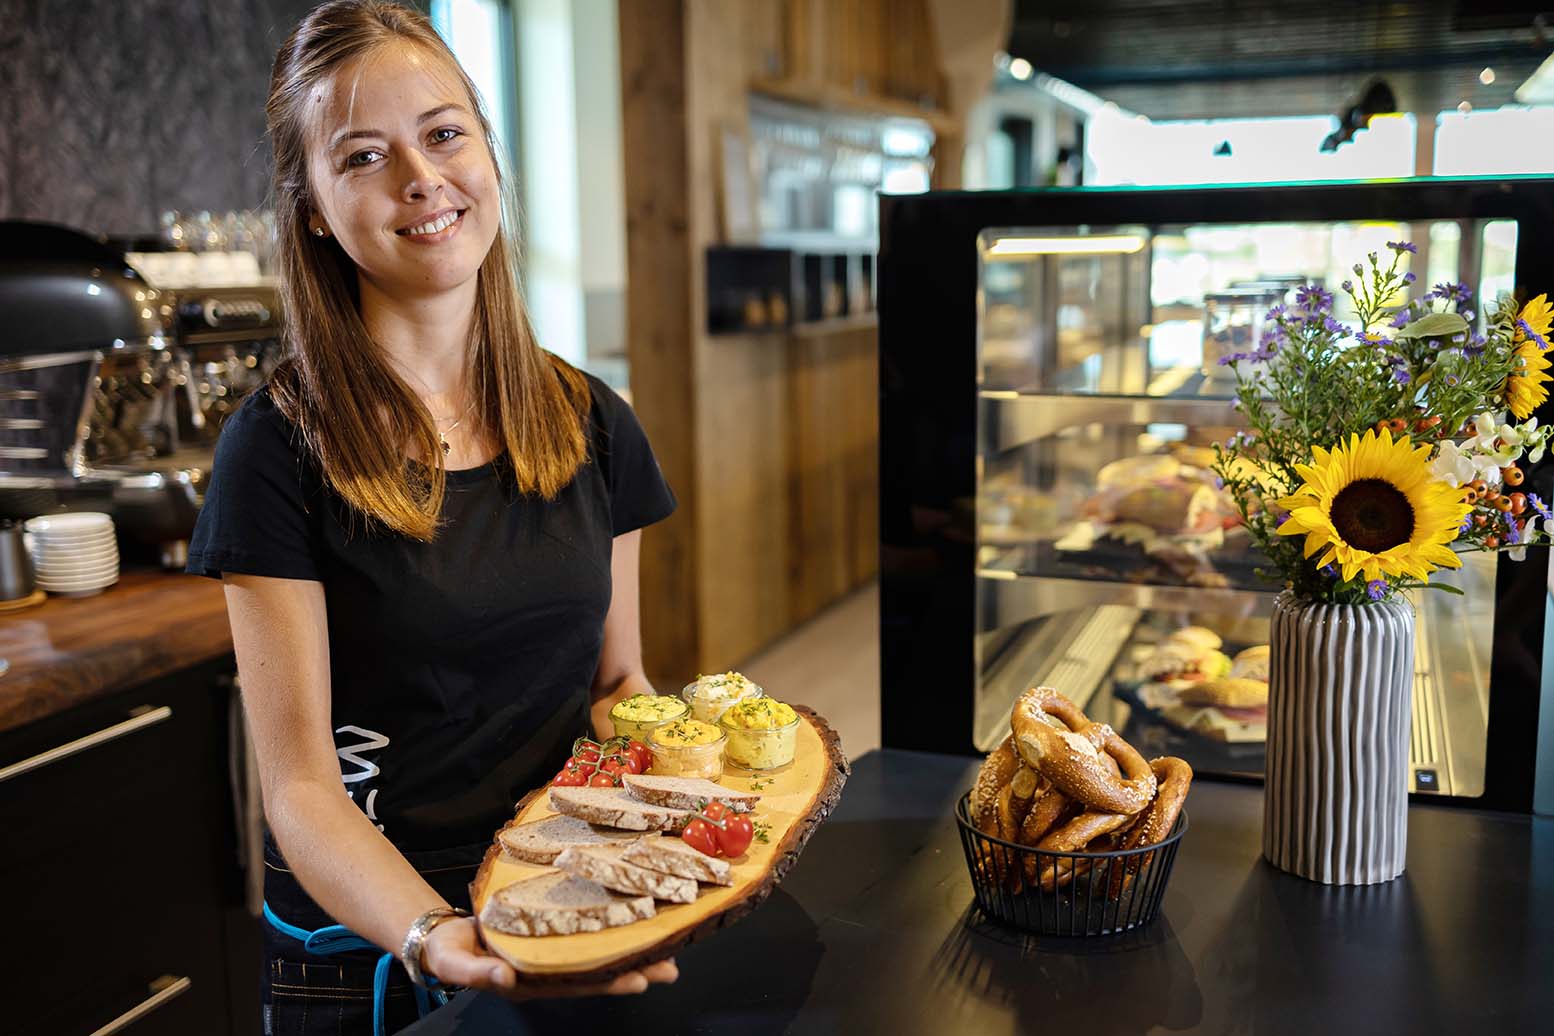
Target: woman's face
<point>401,173</point>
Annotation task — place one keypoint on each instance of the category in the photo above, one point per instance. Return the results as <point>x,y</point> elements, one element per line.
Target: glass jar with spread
<point>709,695</point>
<point>687,748</point>
<point>637,716</point>
<point>762,733</point>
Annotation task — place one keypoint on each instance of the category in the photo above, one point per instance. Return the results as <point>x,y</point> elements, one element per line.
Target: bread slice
<point>603,864</point>
<point>559,904</point>
<point>614,807</point>
<point>541,841</point>
<point>686,792</point>
<point>673,856</point>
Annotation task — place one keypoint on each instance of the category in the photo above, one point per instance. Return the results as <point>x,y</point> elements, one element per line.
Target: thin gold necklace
<point>442,436</point>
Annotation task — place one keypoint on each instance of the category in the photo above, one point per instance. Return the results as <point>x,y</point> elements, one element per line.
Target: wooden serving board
<point>794,800</point>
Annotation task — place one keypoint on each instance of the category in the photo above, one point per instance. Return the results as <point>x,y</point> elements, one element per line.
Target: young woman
<point>427,528</point>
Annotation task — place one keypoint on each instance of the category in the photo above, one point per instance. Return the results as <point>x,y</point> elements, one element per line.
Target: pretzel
<point>1070,758</point>
<point>1047,812</point>
<point>1014,802</point>
<point>1154,824</point>
<point>997,770</point>
<point>1073,837</point>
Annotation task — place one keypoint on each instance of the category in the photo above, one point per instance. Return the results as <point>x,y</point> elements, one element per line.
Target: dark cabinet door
<point>116,834</point>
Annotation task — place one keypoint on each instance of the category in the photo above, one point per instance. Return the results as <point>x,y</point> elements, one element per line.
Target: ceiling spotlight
<point>1020,68</point>
<point>1464,108</point>
<point>1487,76</point>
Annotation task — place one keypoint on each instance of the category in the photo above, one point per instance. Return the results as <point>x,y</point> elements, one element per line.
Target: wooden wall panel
<point>659,316</point>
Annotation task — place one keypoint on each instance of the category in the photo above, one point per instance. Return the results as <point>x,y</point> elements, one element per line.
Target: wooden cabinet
<point>117,864</point>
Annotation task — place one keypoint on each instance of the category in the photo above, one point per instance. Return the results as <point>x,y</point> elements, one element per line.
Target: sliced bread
<point>672,856</point>
<point>541,841</point>
<point>559,904</point>
<point>603,864</point>
<point>686,792</point>
<point>614,807</point>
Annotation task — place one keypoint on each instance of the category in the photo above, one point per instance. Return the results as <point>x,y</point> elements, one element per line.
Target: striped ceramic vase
<point>1335,806</point>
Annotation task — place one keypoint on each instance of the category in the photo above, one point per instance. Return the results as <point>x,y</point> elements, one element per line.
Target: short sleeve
<point>639,495</point>
<point>255,518</point>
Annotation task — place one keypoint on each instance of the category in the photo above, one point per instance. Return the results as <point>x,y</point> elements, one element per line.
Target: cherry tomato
<point>735,836</point>
<point>1518,503</point>
<point>642,753</point>
<point>701,836</point>
<point>613,765</point>
<point>603,780</point>
<point>1513,475</point>
<point>569,777</point>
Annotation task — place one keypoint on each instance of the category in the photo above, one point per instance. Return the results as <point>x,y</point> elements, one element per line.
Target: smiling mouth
<point>435,226</point>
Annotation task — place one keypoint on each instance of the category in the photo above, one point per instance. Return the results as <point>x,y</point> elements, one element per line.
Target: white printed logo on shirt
<point>368,770</point>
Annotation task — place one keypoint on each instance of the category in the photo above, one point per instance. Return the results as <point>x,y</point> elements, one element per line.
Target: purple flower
<point>1219,483</point>
<point>1281,520</point>
<point>1400,319</point>
<point>1376,589</point>
<point>1450,292</point>
<point>1409,278</point>
<point>1276,311</point>
<point>1359,271</point>
<point>1347,285</point>
<point>1403,246</point>
<point>1452,380</point>
<point>1527,331</point>
<point>1329,571</point>
<point>1401,376</point>
<point>1226,361</point>
<point>1539,506</point>
<point>1466,526</point>
<point>1466,314</point>
<point>1314,298</point>
<point>1333,327</point>
<point>1376,339</point>
<point>1513,534</point>
<point>1475,348</point>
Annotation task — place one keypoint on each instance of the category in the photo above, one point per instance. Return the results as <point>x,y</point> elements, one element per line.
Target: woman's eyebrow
<point>342,137</point>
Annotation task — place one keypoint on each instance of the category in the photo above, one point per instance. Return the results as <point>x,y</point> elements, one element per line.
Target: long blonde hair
<point>357,416</point>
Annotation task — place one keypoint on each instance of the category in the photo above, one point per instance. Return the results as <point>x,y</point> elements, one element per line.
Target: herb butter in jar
<point>637,716</point>
<point>762,733</point>
<point>688,748</point>
<point>708,696</point>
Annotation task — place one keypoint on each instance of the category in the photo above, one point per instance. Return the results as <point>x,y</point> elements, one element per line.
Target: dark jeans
<point>308,995</point>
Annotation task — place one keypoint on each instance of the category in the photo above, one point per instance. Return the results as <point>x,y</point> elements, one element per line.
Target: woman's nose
<point>422,179</point>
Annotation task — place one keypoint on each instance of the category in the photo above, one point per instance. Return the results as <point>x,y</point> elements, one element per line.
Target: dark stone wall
<point>112,111</point>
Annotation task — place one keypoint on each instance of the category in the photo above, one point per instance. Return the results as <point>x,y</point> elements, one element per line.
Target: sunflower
<point>1374,507</point>
<point>1524,386</point>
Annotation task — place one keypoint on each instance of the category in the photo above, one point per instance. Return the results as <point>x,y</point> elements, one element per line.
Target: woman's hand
<point>454,955</point>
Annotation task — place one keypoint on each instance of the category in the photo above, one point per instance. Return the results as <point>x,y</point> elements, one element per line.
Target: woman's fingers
<point>453,953</point>
<point>631,983</point>
<point>662,971</point>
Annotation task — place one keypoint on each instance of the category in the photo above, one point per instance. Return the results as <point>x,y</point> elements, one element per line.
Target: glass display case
<point>1049,407</point>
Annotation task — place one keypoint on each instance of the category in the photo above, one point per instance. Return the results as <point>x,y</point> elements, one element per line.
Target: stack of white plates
<point>74,554</point>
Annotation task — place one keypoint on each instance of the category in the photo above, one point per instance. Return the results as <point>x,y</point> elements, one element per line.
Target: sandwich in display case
<point>1051,394</point>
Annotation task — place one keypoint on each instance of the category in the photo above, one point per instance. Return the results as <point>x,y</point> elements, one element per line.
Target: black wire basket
<point>1067,893</point>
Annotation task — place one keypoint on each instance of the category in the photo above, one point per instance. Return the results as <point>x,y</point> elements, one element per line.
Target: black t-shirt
<point>460,669</point>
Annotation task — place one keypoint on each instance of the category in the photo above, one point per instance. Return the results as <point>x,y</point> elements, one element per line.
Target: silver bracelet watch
<point>415,939</point>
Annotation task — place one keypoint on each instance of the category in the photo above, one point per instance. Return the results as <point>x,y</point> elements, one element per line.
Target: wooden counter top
<point>68,651</point>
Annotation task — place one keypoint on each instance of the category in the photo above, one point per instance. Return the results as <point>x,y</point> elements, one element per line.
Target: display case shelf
<point>1004,597</point>
<point>1015,418</point>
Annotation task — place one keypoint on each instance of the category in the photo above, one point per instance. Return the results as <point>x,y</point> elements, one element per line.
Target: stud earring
<point>318,231</point>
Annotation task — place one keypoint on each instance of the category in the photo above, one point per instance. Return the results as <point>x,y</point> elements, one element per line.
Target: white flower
<point>1452,464</point>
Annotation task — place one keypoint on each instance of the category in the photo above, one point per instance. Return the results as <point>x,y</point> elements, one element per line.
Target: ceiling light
<point>1487,76</point>
<point>1020,68</point>
<point>1464,108</point>
<point>1108,244</point>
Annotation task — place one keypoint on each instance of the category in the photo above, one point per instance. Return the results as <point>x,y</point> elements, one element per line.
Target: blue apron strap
<point>337,938</point>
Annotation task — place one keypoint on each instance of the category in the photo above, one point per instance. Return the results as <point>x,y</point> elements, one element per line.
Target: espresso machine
<point>113,389</point>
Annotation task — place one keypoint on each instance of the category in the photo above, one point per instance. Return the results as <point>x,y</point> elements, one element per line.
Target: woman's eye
<point>362,158</point>
<point>444,134</point>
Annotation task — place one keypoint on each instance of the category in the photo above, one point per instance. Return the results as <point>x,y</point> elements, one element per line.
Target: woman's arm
<point>279,632</point>
<point>620,672</point>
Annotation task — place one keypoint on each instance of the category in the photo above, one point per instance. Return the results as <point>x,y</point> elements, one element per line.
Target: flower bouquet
<point>1373,456</point>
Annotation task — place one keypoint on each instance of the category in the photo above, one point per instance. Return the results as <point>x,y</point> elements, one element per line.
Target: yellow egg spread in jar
<point>638,715</point>
<point>688,748</point>
<point>762,733</point>
<point>709,695</point>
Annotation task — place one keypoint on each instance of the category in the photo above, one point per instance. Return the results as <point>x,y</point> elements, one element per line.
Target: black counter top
<point>875,931</point>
